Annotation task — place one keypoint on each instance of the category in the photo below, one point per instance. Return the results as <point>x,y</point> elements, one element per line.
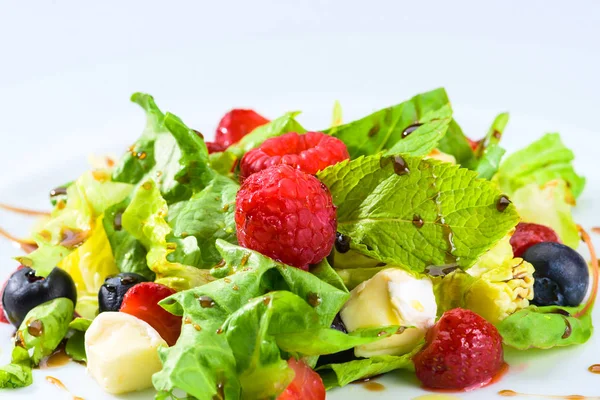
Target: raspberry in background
<point>527,234</point>
<point>236,124</point>
<point>214,147</point>
<point>310,153</point>
<point>307,384</point>
<point>462,351</point>
<point>142,301</point>
<point>287,215</point>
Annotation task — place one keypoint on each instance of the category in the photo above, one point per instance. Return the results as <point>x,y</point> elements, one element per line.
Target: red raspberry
<point>309,153</point>
<point>473,143</point>
<point>528,234</point>
<point>287,215</point>
<point>214,147</point>
<point>462,351</point>
<point>236,124</point>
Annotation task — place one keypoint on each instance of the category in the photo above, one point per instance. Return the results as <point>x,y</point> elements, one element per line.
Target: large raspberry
<point>309,153</point>
<point>236,124</point>
<point>528,234</point>
<point>462,351</point>
<point>287,215</point>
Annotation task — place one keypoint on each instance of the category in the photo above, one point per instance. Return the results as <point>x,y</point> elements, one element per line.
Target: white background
<point>67,69</point>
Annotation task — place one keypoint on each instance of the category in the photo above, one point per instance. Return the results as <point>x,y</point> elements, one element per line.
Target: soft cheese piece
<point>122,352</point>
<point>392,297</point>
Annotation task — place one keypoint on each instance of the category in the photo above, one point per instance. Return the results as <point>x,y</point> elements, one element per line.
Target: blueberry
<point>25,291</point>
<point>112,291</point>
<point>342,356</point>
<point>561,274</point>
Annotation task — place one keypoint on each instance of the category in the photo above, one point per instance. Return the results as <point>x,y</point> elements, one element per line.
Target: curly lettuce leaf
<point>206,217</point>
<point>415,213</point>
<point>544,160</point>
<point>384,128</point>
<point>73,222</point>
<point>144,219</point>
<point>18,373</point>
<point>89,265</point>
<point>549,204</point>
<point>336,375</point>
<point>44,327</point>
<point>168,152</point>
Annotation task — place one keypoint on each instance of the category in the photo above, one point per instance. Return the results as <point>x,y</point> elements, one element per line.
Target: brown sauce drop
<point>374,386</point>
<point>313,299</point>
<point>35,328</point>
<point>374,130</point>
<point>594,369</point>
<point>410,129</point>
<point>24,211</point>
<point>596,230</point>
<point>57,359</point>
<point>244,259</point>
<point>266,301</point>
<point>59,191</point>
<point>118,221</point>
<point>235,287</point>
<point>508,393</point>
<point>400,166</point>
<point>502,203</point>
<point>226,207</point>
<point>418,221</point>
<point>26,245</point>
<point>73,238</point>
<point>52,380</point>
<point>568,328</point>
<point>512,393</point>
<point>442,270</point>
<point>206,302</point>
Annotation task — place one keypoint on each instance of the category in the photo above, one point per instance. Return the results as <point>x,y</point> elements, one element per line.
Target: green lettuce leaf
<point>549,204</point>
<point>44,327</point>
<point>384,128</point>
<point>75,347</point>
<point>168,152</point>
<point>144,219</point>
<point>544,160</point>
<point>494,134</point>
<point>335,375</point>
<point>207,308</point>
<point>546,327</point>
<point>455,143</point>
<point>17,374</point>
<point>72,223</point>
<point>415,213</point>
<point>207,216</point>
<point>488,164</point>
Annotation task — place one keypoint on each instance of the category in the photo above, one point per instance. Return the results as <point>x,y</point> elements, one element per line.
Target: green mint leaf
<point>493,135</point>
<point>207,216</point>
<point>382,201</point>
<point>488,164</point>
<point>44,327</point>
<point>427,136</point>
<point>455,143</point>
<point>542,161</point>
<point>545,327</point>
<point>384,128</point>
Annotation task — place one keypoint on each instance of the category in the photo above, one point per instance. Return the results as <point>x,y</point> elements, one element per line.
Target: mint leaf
<point>168,152</point>
<point>542,161</point>
<point>384,128</point>
<point>207,216</point>
<point>545,327</point>
<point>382,201</point>
<point>427,136</point>
<point>488,164</point>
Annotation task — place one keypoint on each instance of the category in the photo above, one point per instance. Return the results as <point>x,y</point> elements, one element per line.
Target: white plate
<point>70,69</point>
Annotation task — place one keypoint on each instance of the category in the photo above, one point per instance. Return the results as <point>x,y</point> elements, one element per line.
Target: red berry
<point>473,143</point>
<point>309,153</point>
<point>214,147</point>
<point>462,351</point>
<point>236,124</point>
<point>287,215</point>
<point>528,234</point>
<point>142,301</point>
<point>307,384</point>
<point>3,318</point>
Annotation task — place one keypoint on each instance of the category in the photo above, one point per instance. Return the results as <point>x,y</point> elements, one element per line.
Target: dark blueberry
<point>561,274</point>
<point>342,356</point>
<point>25,291</point>
<point>114,288</point>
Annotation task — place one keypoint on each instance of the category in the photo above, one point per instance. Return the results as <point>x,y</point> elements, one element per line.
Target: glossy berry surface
<point>3,318</point>
<point>214,147</point>
<point>307,384</point>
<point>112,291</point>
<point>561,274</point>
<point>25,291</point>
<point>142,301</point>
<point>236,124</point>
<point>462,351</point>
<point>310,153</point>
<point>287,215</point>
<point>528,234</point>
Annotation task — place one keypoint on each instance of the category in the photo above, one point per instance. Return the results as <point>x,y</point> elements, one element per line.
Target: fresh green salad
<point>278,262</point>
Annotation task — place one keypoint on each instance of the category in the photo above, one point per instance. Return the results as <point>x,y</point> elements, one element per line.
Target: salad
<point>277,262</point>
